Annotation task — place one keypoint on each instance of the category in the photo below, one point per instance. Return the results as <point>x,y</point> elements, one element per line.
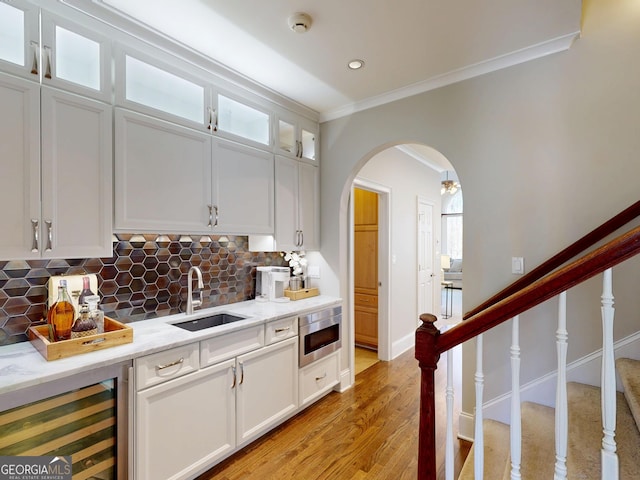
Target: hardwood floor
<point>368,432</point>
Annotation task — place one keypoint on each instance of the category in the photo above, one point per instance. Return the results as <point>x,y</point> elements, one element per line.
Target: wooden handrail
<point>431,343</point>
<point>565,255</point>
<point>616,251</point>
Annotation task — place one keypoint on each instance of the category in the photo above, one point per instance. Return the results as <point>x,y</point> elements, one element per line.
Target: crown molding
<point>533,52</point>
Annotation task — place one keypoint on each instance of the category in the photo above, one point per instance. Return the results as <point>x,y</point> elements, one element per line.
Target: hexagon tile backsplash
<point>146,277</point>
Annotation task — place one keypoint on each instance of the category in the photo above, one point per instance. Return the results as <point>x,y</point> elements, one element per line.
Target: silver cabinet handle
<point>210,126</point>
<point>241,374</point>
<point>35,225</point>
<point>233,371</point>
<point>215,120</point>
<point>212,223</point>
<point>35,69</point>
<point>280,330</point>
<point>47,68</point>
<point>171,364</point>
<point>49,225</point>
<point>301,238</point>
<point>322,377</point>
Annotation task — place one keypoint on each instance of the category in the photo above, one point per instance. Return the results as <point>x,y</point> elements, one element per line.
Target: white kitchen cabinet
<point>56,149</point>
<point>243,188</point>
<point>184,425</point>
<point>297,137</point>
<point>318,378</point>
<point>267,390</point>
<point>43,47</point>
<point>162,176</point>
<point>297,205</point>
<point>172,178</point>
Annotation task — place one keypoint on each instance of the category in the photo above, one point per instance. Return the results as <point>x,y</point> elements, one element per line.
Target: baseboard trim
<point>465,426</point>
<point>345,381</point>
<point>405,343</point>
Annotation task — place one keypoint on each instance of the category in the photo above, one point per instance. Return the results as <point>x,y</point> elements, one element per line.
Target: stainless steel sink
<point>208,322</point>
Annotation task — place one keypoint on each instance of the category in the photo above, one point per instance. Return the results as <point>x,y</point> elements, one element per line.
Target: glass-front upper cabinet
<point>149,86</point>
<point>237,120</point>
<point>71,56</point>
<point>297,138</point>
<point>75,58</point>
<point>19,39</point>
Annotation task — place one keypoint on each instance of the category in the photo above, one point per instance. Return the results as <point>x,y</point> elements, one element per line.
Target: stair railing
<point>431,343</point>
<point>586,242</point>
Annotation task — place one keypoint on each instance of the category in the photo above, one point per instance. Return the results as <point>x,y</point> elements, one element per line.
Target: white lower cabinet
<point>267,388</point>
<point>197,403</point>
<point>318,378</point>
<point>186,424</point>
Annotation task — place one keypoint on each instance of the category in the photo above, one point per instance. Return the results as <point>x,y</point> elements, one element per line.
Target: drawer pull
<point>233,372</point>
<point>322,377</point>
<point>280,330</point>
<point>172,364</point>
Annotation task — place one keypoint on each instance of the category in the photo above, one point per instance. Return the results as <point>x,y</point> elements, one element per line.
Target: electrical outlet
<point>313,271</point>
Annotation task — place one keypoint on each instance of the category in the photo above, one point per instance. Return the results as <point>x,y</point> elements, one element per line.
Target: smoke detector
<point>300,22</point>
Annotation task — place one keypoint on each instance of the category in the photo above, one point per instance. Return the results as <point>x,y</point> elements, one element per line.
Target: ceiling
<point>408,46</point>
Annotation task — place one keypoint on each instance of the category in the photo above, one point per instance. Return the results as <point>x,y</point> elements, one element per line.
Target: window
<point>452,225</point>
<point>12,34</point>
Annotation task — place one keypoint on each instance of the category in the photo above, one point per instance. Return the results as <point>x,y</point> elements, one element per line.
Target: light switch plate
<point>517,265</point>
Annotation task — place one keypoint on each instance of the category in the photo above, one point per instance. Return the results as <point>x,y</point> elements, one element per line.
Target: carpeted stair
<point>585,435</point>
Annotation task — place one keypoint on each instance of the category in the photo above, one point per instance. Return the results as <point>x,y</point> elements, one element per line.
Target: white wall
<point>407,179</point>
<point>546,151</point>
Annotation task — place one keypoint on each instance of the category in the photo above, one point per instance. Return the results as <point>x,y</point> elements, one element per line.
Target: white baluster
<point>449,439</point>
<point>516,421</point>
<point>609,458</point>
<point>561,391</point>
<point>478,440</point>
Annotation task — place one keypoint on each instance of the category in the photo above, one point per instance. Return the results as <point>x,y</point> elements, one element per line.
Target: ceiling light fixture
<point>449,186</point>
<point>355,64</point>
<point>300,22</point>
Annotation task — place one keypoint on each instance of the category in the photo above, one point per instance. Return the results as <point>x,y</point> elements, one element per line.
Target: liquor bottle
<point>95,312</point>
<point>86,291</point>
<point>61,315</point>
<point>84,325</point>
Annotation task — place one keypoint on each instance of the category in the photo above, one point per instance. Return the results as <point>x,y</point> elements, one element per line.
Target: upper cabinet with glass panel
<point>240,120</point>
<point>19,39</point>
<point>297,138</point>
<point>71,56</point>
<point>154,90</point>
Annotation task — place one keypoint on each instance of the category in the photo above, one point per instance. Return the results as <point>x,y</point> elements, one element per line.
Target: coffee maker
<point>271,283</point>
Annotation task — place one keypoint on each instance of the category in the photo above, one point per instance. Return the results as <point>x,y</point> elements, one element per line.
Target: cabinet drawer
<point>281,329</point>
<point>221,348</point>
<point>162,366</point>
<point>365,300</point>
<point>318,378</point>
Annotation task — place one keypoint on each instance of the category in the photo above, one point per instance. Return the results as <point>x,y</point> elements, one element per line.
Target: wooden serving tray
<point>302,293</point>
<point>115,333</point>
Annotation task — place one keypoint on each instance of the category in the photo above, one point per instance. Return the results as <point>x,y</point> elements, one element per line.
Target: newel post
<point>426,339</point>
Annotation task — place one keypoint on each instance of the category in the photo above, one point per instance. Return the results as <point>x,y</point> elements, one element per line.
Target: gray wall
<point>545,151</point>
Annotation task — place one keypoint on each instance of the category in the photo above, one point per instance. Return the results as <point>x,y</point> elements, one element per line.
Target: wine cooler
<point>84,416</point>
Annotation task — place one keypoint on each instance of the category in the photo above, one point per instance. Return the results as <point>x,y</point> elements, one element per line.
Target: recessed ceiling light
<point>355,64</point>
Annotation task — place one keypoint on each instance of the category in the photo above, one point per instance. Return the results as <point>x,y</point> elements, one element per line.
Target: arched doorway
<point>408,178</point>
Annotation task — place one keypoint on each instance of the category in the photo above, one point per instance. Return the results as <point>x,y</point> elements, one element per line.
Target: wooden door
<point>366,268</point>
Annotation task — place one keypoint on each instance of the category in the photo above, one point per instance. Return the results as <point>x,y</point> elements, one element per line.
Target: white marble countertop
<point>21,365</point>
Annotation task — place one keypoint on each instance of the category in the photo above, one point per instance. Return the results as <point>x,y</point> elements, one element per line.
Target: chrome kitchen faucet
<point>191,303</point>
